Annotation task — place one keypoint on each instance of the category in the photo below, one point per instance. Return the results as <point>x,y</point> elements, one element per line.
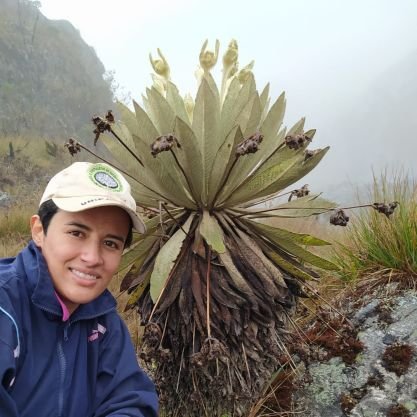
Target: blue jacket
<point>84,367</point>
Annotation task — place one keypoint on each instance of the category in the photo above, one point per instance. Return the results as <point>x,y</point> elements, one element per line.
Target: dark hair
<point>48,209</point>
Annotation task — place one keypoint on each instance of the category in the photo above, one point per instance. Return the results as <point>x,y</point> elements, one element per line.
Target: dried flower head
<point>310,153</point>
<point>339,218</point>
<point>73,146</point>
<point>101,126</point>
<point>249,145</point>
<point>386,209</point>
<point>296,141</point>
<point>301,192</point>
<point>163,143</point>
<point>109,116</point>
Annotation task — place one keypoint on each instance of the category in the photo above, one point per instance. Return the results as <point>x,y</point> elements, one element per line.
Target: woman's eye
<point>75,233</point>
<point>111,244</point>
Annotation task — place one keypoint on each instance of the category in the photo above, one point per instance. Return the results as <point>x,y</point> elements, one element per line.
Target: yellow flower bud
<point>231,55</point>
<point>245,73</point>
<point>160,66</point>
<point>232,70</point>
<point>208,59</point>
<point>159,84</point>
<point>189,105</point>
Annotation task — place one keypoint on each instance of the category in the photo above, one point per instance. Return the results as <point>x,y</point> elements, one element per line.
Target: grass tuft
<point>378,243</point>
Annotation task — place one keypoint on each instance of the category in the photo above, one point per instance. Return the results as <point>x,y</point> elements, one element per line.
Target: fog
<point>348,67</point>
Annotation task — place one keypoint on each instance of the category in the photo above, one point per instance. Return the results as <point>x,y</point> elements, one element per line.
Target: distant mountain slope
<point>51,81</point>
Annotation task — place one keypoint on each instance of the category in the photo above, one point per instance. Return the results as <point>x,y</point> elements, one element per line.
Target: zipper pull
<point>66,332</point>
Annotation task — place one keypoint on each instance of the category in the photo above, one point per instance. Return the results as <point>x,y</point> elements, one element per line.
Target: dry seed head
<point>249,145</point>
<point>101,126</point>
<point>386,209</point>
<point>109,116</point>
<point>296,141</point>
<point>339,218</point>
<point>163,143</point>
<point>302,192</point>
<point>73,146</point>
<point>310,153</point>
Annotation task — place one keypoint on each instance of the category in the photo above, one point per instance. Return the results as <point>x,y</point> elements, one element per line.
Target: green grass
<point>377,243</point>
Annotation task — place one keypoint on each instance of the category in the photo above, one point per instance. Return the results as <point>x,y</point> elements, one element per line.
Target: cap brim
<point>76,204</point>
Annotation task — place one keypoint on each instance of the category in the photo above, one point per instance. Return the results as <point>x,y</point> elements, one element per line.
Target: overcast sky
<point>321,52</point>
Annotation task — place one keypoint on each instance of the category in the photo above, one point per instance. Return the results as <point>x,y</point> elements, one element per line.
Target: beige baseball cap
<point>84,185</point>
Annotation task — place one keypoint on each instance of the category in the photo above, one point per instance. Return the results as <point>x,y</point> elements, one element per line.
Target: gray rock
<point>326,382</point>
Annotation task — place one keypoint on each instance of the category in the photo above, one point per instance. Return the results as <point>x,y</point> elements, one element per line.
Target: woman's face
<point>82,251</point>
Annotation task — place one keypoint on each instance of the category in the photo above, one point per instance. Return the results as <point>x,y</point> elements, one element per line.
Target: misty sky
<point>323,53</point>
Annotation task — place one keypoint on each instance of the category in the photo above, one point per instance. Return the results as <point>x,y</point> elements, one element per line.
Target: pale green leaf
<point>176,102</point>
<point>287,266</point>
<point>310,205</point>
<point>296,171</point>
<point>274,118</point>
<point>257,183</point>
<point>166,258</point>
<point>297,128</point>
<point>136,251</point>
<point>277,235</point>
<point>288,241</point>
<point>189,156</point>
<point>206,128</point>
<point>224,153</point>
<point>160,111</point>
<point>212,232</point>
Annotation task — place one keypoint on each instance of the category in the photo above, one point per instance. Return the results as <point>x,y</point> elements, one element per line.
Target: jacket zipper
<point>62,368</point>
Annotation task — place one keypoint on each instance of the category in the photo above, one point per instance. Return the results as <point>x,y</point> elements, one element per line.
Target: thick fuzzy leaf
<point>274,118</point>
<point>287,266</point>
<point>148,131</point>
<point>250,117</point>
<point>128,117</point>
<point>249,165</point>
<point>166,260</point>
<point>137,292</point>
<point>310,205</point>
<point>137,251</point>
<point>276,178</point>
<point>225,152</point>
<point>264,98</point>
<point>297,171</point>
<point>189,156</point>
<point>206,128</point>
<point>212,232</point>
<point>235,103</point>
<point>262,180</point>
<point>277,235</point>
<point>297,128</point>
<point>176,102</point>
<point>160,111</point>
<point>305,255</point>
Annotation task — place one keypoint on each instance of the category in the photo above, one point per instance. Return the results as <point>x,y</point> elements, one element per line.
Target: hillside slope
<point>51,81</point>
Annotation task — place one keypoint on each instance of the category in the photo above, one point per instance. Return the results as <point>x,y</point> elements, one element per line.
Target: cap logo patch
<point>105,177</point>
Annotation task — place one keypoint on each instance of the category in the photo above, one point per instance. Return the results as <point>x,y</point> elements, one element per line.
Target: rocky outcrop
<point>381,379</point>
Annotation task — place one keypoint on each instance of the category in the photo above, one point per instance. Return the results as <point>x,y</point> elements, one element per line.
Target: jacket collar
<point>34,267</point>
